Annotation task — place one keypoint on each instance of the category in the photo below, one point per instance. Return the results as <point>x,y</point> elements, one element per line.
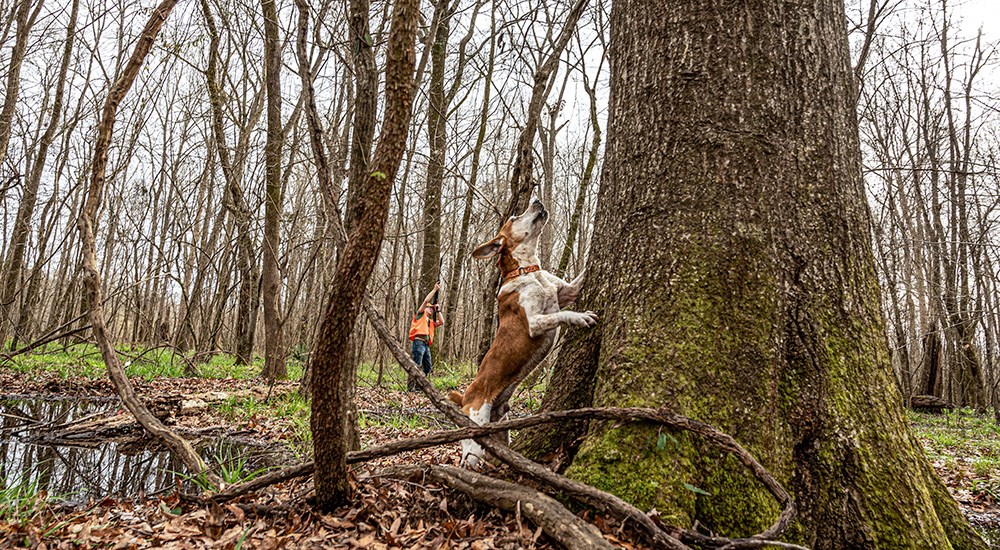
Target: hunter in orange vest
<point>425,320</point>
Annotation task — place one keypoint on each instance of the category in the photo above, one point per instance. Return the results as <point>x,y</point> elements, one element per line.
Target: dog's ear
<point>488,250</point>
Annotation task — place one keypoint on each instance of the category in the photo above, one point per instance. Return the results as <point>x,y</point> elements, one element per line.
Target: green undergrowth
<point>964,447</point>
<point>445,376</point>
<point>20,501</point>
<point>84,360</point>
<point>290,409</point>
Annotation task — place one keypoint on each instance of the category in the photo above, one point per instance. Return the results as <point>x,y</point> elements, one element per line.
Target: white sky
<point>981,13</point>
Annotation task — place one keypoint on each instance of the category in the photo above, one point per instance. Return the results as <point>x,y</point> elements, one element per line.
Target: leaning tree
<point>747,297</point>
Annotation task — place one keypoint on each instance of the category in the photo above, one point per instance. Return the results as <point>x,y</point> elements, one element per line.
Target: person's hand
<point>437,286</point>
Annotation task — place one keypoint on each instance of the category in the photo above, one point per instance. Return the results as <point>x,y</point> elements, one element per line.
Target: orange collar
<point>520,271</point>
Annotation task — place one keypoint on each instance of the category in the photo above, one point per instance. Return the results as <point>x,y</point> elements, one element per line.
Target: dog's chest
<point>538,295</point>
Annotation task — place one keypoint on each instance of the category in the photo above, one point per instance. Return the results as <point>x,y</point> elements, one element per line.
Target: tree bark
<point>331,435</point>
<point>274,352</point>
<point>748,297</point>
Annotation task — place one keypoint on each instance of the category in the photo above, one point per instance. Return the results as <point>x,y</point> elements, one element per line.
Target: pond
<point>106,467</point>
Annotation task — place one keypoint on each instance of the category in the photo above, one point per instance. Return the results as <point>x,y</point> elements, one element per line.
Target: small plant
<point>21,501</point>
<point>983,467</point>
<point>986,489</point>
<point>200,480</point>
<point>944,439</point>
<point>237,470</point>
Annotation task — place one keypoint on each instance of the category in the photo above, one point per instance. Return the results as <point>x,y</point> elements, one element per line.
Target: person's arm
<point>440,316</point>
<point>427,299</point>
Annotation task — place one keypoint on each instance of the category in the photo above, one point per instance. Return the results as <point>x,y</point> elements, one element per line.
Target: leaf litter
<point>385,513</point>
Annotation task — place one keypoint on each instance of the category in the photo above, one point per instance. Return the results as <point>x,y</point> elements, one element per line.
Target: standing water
<point>92,467</point>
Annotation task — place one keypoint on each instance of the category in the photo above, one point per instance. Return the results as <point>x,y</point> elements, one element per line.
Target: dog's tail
<point>455,397</point>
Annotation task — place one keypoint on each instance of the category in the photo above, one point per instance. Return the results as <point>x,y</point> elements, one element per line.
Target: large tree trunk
<point>747,298</point>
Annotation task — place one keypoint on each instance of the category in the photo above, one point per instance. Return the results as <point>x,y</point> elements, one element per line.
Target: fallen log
<point>930,404</point>
<point>542,510</point>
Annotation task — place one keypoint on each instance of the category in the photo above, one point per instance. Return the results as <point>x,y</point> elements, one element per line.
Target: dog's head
<point>517,240</point>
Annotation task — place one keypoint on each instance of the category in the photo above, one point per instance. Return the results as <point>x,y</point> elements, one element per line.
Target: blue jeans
<point>422,355</point>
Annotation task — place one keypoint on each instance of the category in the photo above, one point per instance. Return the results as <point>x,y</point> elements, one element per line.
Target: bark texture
<point>274,352</point>
<point>748,299</point>
<point>331,393</point>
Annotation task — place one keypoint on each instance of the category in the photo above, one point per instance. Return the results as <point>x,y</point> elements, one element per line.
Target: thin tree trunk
<point>329,426</point>
<point>234,200</point>
<point>274,355</point>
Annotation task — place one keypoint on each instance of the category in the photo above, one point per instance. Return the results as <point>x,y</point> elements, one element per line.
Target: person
<point>425,320</point>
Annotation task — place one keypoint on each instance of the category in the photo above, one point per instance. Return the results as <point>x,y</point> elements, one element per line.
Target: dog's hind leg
<point>473,452</point>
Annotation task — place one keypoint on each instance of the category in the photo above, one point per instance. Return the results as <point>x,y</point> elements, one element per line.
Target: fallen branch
<point>601,500</point>
<point>542,510</point>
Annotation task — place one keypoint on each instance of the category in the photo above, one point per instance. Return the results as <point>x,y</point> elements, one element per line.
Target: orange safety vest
<point>422,326</point>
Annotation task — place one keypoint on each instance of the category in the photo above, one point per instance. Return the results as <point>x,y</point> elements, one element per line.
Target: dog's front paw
<point>585,319</point>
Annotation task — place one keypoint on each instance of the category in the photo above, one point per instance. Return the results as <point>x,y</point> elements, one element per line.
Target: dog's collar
<point>520,271</point>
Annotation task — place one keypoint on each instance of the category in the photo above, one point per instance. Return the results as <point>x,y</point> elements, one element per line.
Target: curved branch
<point>544,511</point>
<point>91,275</point>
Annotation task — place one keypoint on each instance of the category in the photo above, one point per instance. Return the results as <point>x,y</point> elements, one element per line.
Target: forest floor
<point>270,427</point>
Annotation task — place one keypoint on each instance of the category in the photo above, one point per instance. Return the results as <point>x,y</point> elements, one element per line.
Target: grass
<point>445,376</point>
<point>397,421</point>
<point>959,432</point>
<point>965,450</point>
<point>149,363</point>
<point>290,407</point>
<point>21,501</point>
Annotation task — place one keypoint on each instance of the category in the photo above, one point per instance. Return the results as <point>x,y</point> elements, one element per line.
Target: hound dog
<point>529,301</point>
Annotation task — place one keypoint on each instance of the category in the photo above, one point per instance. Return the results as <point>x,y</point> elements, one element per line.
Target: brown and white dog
<point>529,301</point>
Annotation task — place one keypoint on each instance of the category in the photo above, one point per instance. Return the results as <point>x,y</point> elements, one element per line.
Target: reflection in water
<point>77,473</point>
